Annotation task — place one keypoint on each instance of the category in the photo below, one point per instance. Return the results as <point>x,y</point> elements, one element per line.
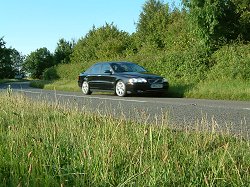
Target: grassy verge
<point>63,85</point>
<point>48,145</point>
<point>220,89</point>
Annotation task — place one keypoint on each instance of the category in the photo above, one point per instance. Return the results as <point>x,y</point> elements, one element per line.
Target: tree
<point>243,9</point>
<point>215,20</point>
<point>63,51</point>
<point>153,23</point>
<point>7,62</point>
<point>104,43</point>
<point>36,62</point>
<point>17,60</point>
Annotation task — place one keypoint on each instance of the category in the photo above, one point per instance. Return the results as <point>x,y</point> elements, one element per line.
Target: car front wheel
<point>120,89</point>
<point>85,88</point>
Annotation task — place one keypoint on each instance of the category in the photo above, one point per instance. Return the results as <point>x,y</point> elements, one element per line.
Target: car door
<point>94,76</point>
<point>107,79</point>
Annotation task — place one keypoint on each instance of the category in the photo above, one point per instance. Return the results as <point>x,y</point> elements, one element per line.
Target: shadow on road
<point>179,91</point>
<point>174,91</point>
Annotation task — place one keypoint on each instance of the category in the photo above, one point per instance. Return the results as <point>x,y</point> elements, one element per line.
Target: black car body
<point>122,78</point>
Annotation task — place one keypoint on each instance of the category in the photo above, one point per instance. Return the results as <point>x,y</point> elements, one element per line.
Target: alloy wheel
<point>120,89</point>
<point>85,88</point>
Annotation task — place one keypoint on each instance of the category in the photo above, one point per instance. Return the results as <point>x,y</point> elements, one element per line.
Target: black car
<point>122,78</point>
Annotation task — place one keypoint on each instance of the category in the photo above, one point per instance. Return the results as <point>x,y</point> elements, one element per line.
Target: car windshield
<point>127,67</point>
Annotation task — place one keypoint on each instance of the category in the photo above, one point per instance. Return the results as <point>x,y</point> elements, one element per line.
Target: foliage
<point>243,9</point>
<point>187,66</point>
<point>106,42</point>
<point>5,62</point>
<point>231,62</point>
<point>38,83</point>
<point>153,23</point>
<point>50,74</point>
<point>17,61</point>
<point>178,36</point>
<point>71,71</point>
<point>38,61</point>
<point>10,60</point>
<point>63,51</point>
<point>217,21</point>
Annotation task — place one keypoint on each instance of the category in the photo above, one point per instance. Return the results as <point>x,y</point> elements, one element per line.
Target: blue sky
<point>27,25</point>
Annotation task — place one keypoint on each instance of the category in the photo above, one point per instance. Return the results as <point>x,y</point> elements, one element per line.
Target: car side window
<point>105,67</point>
<point>118,67</point>
<point>89,70</point>
<point>96,69</point>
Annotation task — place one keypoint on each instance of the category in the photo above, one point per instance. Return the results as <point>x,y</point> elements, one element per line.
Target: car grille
<point>155,81</point>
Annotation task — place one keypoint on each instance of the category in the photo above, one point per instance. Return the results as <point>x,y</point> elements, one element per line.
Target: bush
<point>231,62</point>
<point>39,83</point>
<point>106,42</point>
<point>71,71</point>
<point>188,66</point>
<point>50,74</point>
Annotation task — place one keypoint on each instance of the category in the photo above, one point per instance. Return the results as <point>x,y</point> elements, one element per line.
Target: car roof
<point>111,62</point>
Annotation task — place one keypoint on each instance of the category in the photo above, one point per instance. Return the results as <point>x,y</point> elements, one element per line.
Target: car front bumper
<point>137,88</point>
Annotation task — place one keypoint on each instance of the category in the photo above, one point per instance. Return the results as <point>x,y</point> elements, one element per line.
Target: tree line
<point>10,61</point>
<point>192,34</point>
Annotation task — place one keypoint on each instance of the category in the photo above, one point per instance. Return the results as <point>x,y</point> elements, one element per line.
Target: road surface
<point>219,115</point>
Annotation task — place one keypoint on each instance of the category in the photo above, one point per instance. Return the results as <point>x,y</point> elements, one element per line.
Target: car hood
<point>146,75</point>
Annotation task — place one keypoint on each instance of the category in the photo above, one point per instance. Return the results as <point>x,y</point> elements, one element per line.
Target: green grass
<point>63,85</point>
<point>221,89</point>
<point>47,145</point>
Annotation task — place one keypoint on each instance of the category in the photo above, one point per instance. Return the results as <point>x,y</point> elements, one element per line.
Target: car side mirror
<point>108,72</point>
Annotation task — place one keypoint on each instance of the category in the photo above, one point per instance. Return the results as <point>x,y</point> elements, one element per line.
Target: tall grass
<point>64,85</point>
<point>49,145</point>
<point>221,89</point>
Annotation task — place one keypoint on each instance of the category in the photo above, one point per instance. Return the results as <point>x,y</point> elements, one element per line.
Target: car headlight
<point>135,80</point>
<point>164,80</point>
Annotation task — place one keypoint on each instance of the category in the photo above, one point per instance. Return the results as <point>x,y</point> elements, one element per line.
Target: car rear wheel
<point>120,89</point>
<point>85,88</point>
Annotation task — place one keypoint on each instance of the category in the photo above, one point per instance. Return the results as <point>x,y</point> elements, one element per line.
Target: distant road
<point>233,116</point>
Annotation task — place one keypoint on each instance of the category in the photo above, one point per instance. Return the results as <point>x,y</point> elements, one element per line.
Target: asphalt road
<point>217,115</point>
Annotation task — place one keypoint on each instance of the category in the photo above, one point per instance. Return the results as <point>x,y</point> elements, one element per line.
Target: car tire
<point>85,88</point>
<point>120,89</point>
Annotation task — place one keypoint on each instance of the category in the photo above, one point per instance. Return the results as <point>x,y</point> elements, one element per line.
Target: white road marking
<point>29,91</point>
<point>90,97</point>
<point>103,98</point>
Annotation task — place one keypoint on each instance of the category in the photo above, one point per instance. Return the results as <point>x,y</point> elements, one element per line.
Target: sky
<point>28,25</point>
